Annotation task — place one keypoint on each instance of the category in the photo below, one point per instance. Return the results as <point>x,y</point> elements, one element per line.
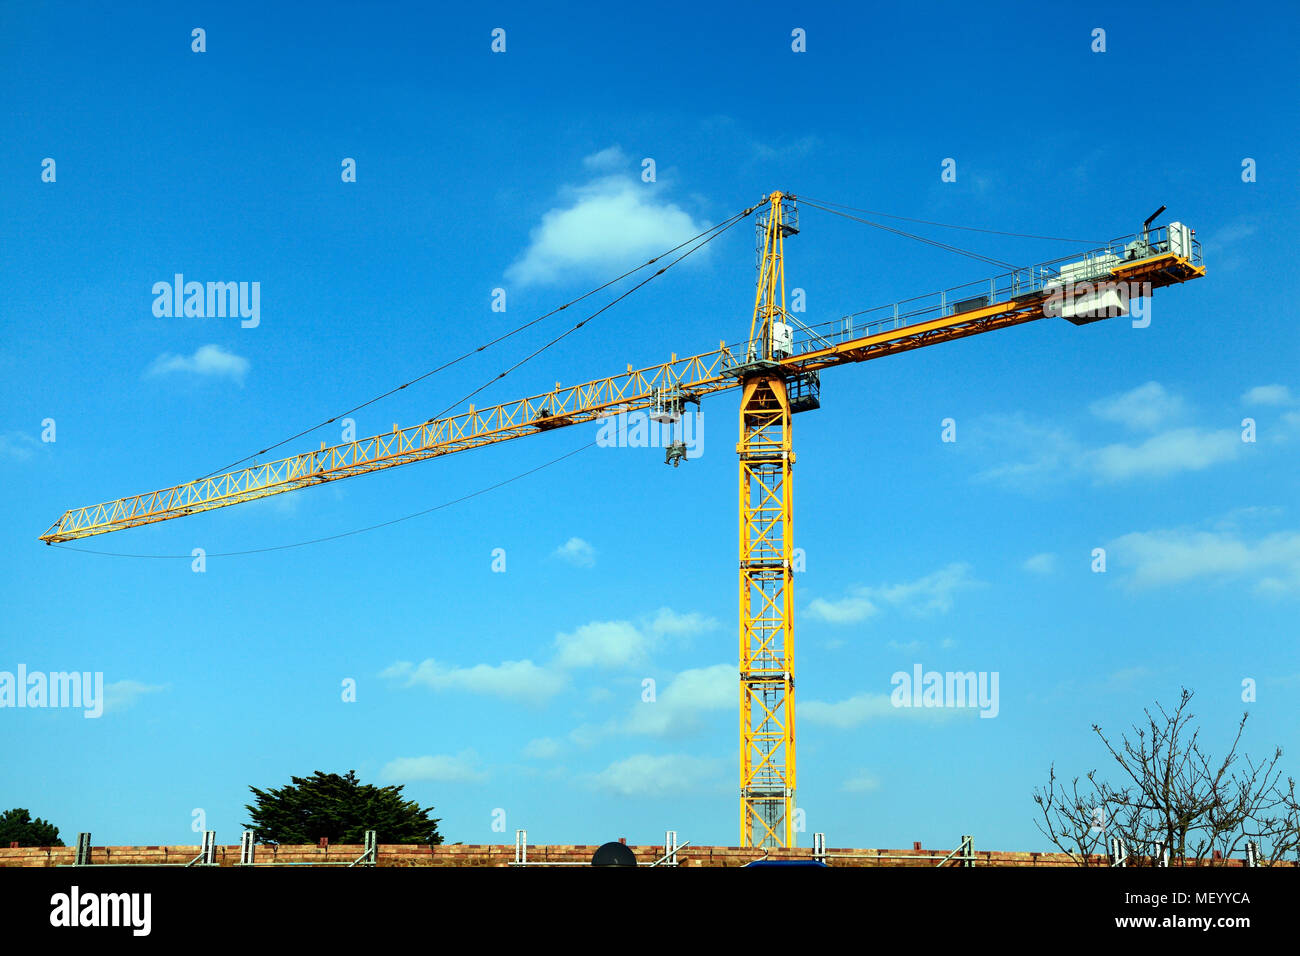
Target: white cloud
<point>1246,516</point>
<point>845,714</point>
<point>18,446</point>
<point>598,644</point>
<point>119,695</point>
<point>1183,449</point>
<point>910,647</point>
<point>208,360</point>
<point>1145,407</point>
<point>602,644</point>
<point>1230,235</point>
<point>669,623</point>
<point>846,610</point>
<point>613,644</point>
<point>1268,395</point>
<point>791,149</point>
<point>1125,676</point>
<point>543,748</point>
<point>679,707</point>
<point>1044,563</point>
<point>1044,452</point>
<point>1052,453</point>
<point>587,735</point>
<point>863,708</point>
<point>612,223</point>
<point>577,552</point>
<point>607,159</point>
<point>441,768</point>
<point>930,594</point>
<point>861,782</point>
<point>1169,557</point>
<point>647,775</point>
<point>515,680</point>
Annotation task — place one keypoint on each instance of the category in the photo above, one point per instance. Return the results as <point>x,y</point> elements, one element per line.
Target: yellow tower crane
<point>777,371</point>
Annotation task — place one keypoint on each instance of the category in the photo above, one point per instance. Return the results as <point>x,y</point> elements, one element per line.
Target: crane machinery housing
<point>776,371</point>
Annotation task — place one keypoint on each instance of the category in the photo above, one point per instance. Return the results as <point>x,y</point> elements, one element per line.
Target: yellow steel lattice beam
<point>767,741</point>
<point>630,391</point>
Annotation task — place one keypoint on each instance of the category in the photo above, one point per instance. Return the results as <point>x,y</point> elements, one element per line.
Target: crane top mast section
<point>770,326</point>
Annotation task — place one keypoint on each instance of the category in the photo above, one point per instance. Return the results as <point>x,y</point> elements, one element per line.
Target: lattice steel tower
<point>767,741</point>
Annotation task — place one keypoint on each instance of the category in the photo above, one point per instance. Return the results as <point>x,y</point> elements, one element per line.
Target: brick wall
<point>498,854</point>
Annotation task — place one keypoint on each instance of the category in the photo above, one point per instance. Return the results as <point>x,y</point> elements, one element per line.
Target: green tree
<point>340,809</point>
<point>18,825</point>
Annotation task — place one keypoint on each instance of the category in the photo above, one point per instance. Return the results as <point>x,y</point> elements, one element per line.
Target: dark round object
<point>613,854</point>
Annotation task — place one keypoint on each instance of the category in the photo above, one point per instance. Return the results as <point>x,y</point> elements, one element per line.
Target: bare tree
<point>1173,802</point>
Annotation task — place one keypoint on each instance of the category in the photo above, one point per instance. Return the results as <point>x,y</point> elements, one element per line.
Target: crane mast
<point>777,376</point>
<point>767,730</point>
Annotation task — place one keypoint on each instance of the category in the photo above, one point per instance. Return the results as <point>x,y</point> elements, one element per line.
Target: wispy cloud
<point>865,708</point>
<point>861,782</point>
<point>17,446</point>
<point>577,552</point>
<point>669,622</point>
<point>1231,234</point>
<point>852,712</point>
<point>122,694</point>
<point>906,647</point>
<point>607,160</point>
<point>647,775</point>
<point>543,748</point>
<point>1126,676</point>
<point>1269,395</point>
<point>516,680</point>
<point>1183,449</point>
<point>680,707</point>
<point>786,149</point>
<point>1037,452</point>
<point>210,361</point>
<point>1040,453</point>
<point>441,768</point>
<point>1145,407</point>
<point>1175,556</point>
<point>1044,563</point>
<point>604,645</point>
<point>927,595</point>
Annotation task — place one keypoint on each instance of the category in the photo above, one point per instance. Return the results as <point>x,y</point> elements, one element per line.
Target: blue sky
<point>521,170</point>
